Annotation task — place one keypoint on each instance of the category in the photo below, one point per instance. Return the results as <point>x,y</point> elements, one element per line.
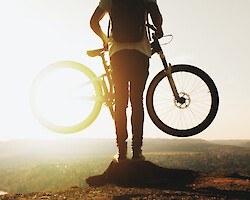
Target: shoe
<point>119,158</point>
<point>138,157</point>
<point>121,154</point>
<point>137,153</point>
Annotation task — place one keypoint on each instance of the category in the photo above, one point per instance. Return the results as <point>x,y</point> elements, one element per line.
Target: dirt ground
<point>212,186</point>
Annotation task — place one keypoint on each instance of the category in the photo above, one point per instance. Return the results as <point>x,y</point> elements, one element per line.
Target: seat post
<point>108,71</point>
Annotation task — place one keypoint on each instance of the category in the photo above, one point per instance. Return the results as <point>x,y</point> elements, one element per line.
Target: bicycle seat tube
<point>108,72</point>
<point>108,94</point>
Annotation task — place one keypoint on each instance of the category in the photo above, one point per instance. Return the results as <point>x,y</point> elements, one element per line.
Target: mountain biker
<point>129,62</point>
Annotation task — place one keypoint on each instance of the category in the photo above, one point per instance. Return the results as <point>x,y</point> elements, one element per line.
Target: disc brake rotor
<point>186,103</point>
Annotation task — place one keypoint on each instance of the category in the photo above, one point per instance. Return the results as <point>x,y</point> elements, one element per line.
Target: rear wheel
<point>66,97</point>
<point>199,104</point>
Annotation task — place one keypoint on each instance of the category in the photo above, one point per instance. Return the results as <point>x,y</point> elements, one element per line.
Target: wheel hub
<point>183,102</point>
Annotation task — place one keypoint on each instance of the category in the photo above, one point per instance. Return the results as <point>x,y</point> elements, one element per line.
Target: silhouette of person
<point>130,63</point>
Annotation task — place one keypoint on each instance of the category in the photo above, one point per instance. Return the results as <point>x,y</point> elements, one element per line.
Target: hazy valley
<point>35,165</point>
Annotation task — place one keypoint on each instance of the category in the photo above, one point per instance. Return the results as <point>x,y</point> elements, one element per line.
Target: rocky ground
<point>144,180</point>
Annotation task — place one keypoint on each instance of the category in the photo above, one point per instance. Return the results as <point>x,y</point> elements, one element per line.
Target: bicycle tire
<point>210,94</point>
<point>93,83</point>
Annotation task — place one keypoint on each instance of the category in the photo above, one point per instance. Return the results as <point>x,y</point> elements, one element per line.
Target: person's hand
<point>159,33</point>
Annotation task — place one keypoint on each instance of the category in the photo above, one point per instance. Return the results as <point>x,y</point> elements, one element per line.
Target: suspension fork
<point>168,72</point>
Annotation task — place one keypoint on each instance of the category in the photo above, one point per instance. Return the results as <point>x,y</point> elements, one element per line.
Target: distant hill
<point>188,145</point>
<point>108,147</point>
<point>19,152</point>
<point>241,143</point>
<point>41,165</point>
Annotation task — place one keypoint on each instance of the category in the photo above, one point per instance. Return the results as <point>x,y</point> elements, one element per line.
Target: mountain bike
<point>182,100</point>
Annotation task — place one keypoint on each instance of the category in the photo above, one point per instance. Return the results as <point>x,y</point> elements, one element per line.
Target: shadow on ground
<point>173,183</point>
<point>143,174</point>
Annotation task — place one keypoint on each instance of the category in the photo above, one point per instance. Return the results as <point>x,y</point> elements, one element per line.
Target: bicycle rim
<point>191,117</point>
<point>64,100</point>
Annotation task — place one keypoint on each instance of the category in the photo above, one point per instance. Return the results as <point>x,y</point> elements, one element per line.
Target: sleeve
<point>105,5</point>
<point>149,1</point>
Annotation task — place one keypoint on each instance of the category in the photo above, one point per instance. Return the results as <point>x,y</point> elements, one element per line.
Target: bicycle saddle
<point>94,53</point>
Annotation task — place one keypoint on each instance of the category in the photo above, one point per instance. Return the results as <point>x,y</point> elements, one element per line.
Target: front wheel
<point>198,108</point>
<point>66,97</point>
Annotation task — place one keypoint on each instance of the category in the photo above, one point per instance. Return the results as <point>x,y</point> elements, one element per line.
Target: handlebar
<point>151,27</point>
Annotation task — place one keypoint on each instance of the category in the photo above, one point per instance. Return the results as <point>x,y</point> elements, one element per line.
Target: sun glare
<point>66,97</point>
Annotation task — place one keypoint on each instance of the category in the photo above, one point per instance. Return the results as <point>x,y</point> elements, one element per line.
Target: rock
<point>143,174</point>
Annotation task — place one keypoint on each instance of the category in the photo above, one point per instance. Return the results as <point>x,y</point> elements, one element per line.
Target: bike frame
<point>107,88</point>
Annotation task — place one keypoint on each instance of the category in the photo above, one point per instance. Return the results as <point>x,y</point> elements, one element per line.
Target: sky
<point>212,35</point>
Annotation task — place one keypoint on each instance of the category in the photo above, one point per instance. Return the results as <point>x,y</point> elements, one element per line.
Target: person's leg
<point>137,85</point>
<point>118,62</point>
<point>121,95</point>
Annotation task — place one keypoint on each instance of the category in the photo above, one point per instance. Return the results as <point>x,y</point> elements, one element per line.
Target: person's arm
<point>155,14</point>
<point>95,25</point>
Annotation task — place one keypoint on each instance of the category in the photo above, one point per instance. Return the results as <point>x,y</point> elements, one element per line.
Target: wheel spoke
<point>87,83</point>
<point>89,99</point>
<point>193,86</point>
